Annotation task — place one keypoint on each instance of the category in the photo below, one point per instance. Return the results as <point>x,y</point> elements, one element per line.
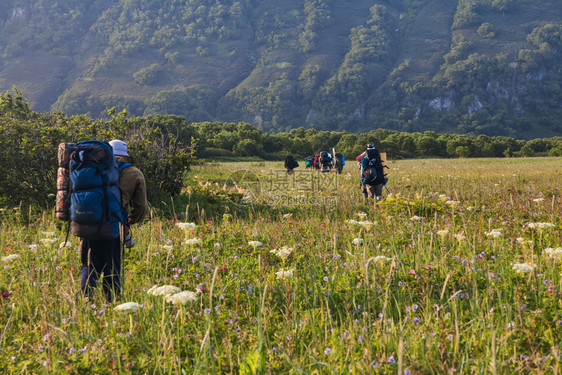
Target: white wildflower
<point>192,242</point>
<point>255,244</point>
<point>540,225</point>
<point>452,203</point>
<point>381,259</point>
<point>554,253</point>
<point>520,240</point>
<point>127,307</point>
<point>281,274</point>
<point>182,297</point>
<point>283,252</point>
<point>287,216</point>
<point>366,223</point>
<point>494,233</point>
<point>416,218</point>
<point>523,267</point>
<point>362,214</point>
<point>459,237</point>
<point>33,246</point>
<point>48,241</point>
<point>163,290</point>
<point>187,226</point>
<point>48,234</point>
<point>65,244</point>
<point>357,241</point>
<point>470,208</point>
<point>167,247</point>
<point>538,200</point>
<point>10,257</point>
<point>444,197</point>
<point>443,233</point>
<point>352,222</point>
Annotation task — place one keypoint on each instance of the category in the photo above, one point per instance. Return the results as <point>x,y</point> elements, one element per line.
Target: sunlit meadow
<point>458,270</point>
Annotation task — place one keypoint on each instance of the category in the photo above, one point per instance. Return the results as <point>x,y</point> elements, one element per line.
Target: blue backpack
<point>96,211</point>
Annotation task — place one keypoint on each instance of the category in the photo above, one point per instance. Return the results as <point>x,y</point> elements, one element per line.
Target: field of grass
<point>457,271</point>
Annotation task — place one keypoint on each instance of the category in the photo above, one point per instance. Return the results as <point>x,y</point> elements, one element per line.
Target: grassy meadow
<point>457,271</point>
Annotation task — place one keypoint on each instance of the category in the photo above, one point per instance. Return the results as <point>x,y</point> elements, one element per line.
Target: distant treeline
<point>163,146</point>
<point>229,139</point>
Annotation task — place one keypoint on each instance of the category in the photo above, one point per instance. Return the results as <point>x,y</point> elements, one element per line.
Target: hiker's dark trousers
<point>373,190</point>
<point>101,257</point>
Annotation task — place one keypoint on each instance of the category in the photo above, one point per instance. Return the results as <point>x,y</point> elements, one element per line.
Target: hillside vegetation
<point>483,66</point>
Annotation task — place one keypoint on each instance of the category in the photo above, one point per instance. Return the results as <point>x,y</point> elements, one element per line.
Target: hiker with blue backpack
<point>372,173</point>
<point>106,196</point>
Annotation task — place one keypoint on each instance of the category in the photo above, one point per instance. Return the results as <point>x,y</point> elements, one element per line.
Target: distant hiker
<point>339,161</point>
<point>316,162</point>
<point>290,163</point>
<point>309,162</point>
<point>372,172</point>
<point>326,161</point>
<point>124,187</point>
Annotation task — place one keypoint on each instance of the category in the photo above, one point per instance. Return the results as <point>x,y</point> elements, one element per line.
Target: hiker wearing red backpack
<point>102,252</point>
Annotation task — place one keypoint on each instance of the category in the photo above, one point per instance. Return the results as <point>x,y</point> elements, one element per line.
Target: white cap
<point>119,147</point>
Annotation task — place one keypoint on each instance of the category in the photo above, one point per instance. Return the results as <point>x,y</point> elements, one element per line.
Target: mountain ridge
<point>473,66</point>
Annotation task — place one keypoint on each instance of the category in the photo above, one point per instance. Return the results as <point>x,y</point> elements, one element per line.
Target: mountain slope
<point>480,66</point>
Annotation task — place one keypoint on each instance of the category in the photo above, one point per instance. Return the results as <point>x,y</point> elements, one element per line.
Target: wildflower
<point>391,359</point>
<point>181,297</point>
<point>367,224</point>
<point>416,218</point>
<point>538,200</point>
<point>5,294</point>
<point>255,244</point>
<point>452,203</point>
<point>65,244</point>
<point>412,272</point>
<point>287,216</point>
<point>352,222</point>
<point>442,233</point>
<point>192,242</point>
<point>281,274</point>
<point>554,253</point>
<point>163,290</point>
<point>362,214</point>
<point>167,247</point>
<point>187,226</point>
<point>33,247</point>
<point>470,208</point>
<point>10,257</point>
<point>540,225</point>
<point>328,351</point>
<point>48,234</point>
<point>48,241</point>
<point>357,241</point>
<point>381,259</point>
<point>494,233</point>
<point>127,307</point>
<point>459,237</point>
<point>283,252</point>
<point>523,267</point>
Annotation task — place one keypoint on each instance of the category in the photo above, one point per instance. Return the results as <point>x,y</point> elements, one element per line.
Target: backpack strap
<point>122,165</point>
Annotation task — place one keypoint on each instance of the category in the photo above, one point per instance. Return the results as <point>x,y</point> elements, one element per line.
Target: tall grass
<point>444,299</point>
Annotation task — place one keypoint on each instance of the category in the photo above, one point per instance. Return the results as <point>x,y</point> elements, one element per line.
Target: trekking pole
<point>389,192</point>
